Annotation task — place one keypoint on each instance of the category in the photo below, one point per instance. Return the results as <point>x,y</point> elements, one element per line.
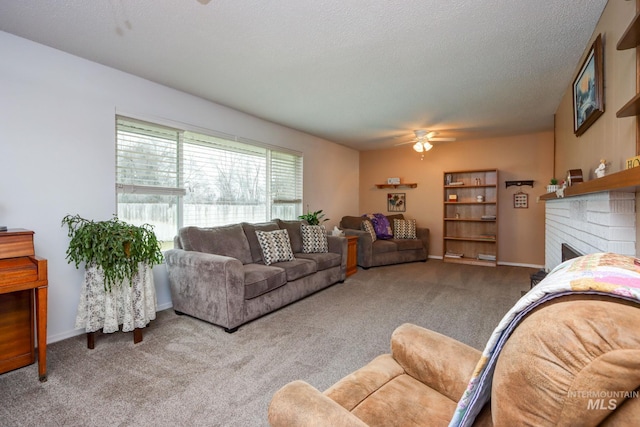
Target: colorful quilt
<point>602,274</point>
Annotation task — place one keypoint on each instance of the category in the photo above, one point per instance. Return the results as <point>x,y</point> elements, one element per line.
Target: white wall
<point>57,153</point>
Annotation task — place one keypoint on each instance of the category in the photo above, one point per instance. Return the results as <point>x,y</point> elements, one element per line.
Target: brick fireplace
<point>597,222</point>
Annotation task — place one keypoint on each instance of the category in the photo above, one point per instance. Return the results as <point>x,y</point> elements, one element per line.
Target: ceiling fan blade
<point>441,139</point>
<point>413,141</point>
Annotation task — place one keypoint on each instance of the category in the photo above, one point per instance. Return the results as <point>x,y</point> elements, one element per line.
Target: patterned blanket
<point>603,274</point>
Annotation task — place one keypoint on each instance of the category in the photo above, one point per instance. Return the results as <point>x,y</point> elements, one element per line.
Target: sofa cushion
<point>250,232</point>
<point>323,260</point>
<point>392,218</point>
<point>295,234</point>
<point>275,246</point>
<point>314,239</point>
<point>297,268</point>
<point>260,279</point>
<point>227,240</point>
<point>408,244</point>
<point>404,229</point>
<point>368,227</point>
<point>381,246</point>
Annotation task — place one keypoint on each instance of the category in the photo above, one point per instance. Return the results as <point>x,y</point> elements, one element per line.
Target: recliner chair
<point>573,361</point>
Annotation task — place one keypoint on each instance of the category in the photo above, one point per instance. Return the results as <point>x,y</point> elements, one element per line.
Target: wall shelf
<point>631,108</point>
<point>627,180</point>
<point>629,40</point>
<point>631,37</point>
<point>519,183</point>
<point>409,185</point>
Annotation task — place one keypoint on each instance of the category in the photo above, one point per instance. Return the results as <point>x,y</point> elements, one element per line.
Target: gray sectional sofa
<point>218,274</point>
<point>386,252</point>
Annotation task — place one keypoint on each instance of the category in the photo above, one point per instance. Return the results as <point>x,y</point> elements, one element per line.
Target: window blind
<point>171,177</point>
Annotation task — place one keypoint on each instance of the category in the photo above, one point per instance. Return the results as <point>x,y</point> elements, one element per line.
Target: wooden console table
<point>23,279</point>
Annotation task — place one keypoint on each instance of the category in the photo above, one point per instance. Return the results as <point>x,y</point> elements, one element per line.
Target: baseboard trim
<point>517,264</point>
<point>512,264</point>
<point>69,334</point>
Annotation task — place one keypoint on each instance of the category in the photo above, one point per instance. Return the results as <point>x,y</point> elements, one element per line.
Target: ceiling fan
<point>424,138</point>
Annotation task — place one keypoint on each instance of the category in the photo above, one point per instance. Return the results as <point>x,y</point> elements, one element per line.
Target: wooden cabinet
<point>352,255</point>
<point>470,229</point>
<point>23,282</point>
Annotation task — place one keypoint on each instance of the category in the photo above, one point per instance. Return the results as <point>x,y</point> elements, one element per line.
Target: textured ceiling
<point>357,72</point>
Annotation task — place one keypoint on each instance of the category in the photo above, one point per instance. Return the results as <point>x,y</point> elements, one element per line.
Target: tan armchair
<point>574,360</point>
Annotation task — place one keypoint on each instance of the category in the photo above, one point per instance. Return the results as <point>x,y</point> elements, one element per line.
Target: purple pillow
<point>381,225</point>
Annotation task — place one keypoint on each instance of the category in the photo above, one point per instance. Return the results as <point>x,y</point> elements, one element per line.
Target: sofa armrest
<point>438,361</point>
<point>338,245</point>
<point>207,286</point>
<point>299,404</point>
<point>422,233</point>
<point>365,246</point>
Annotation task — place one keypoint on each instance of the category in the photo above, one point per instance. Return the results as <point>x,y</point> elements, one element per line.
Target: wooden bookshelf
<point>471,224</point>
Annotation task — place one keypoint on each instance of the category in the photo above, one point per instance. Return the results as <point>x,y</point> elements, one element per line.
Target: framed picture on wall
<point>521,200</point>
<point>588,90</point>
<point>396,202</point>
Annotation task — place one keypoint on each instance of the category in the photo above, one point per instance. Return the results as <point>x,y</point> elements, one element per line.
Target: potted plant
<point>114,247</point>
<point>553,185</point>
<point>314,218</point>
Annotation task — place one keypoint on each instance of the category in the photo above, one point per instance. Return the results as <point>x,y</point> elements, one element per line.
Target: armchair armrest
<point>207,286</point>
<point>438,361</point>
<point>299,404</point>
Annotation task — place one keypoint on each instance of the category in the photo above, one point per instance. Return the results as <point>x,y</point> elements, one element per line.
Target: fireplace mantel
<point>627,180</point>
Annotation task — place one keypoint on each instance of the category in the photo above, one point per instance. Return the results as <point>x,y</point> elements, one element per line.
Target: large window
<point>171,178</point>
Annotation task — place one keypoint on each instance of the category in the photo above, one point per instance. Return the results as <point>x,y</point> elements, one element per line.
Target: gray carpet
<point>188,372</point>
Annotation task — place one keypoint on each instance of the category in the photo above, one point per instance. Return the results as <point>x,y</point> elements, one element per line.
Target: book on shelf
<point>486,257</point>
<point>488,217</point>
<point>452,255</point>
<point>456,183</point>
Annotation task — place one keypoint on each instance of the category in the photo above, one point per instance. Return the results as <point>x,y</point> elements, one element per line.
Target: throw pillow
<point>275,246</point>
<point>314,239</point>
<point>404,229</point>
<point>368,227</point>
<point>381,225</point>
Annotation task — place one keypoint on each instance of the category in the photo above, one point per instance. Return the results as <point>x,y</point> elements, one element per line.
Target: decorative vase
<point>552,188</point>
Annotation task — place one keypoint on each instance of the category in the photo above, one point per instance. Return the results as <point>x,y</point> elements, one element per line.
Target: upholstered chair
<point>572,361</point>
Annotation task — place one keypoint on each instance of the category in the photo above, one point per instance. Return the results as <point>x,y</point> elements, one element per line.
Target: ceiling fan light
<point>418,147</point>
<point>427,146</point>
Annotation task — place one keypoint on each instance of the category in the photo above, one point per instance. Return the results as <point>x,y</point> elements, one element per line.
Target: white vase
<point>552,188</point>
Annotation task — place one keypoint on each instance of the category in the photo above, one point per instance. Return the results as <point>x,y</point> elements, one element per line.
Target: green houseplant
<point>114,246</point>
<point>314,218</point>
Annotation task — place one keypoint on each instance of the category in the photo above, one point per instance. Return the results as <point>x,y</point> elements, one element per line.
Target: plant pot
<point>552,188</point>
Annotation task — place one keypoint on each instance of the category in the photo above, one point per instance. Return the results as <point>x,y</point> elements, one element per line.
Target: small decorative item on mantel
<point>574,176</point>
<point>600,170</point>
<point>553,186</point>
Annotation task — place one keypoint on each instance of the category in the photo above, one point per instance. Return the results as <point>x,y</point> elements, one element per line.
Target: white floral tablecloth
<point>132,306</point>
